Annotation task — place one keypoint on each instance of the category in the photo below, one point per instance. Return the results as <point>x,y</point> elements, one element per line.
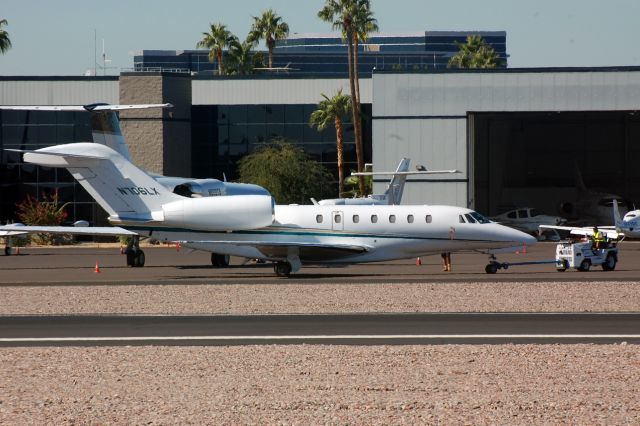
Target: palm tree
<point>331,111</point>
<point>475,53</point>
<point>5,42</point>
<point>340,13</point>
<point>364,24</point>
<point>240,59</point>
<point>269,27</point>
<point>216,40</point>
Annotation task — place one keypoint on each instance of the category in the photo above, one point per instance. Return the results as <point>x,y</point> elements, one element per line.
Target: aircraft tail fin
<point>616,216</point>
<point>395,189</point>
<point>127,193</point>
<point>104,120</point>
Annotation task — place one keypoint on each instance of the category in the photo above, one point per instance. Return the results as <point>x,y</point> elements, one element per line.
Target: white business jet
<point>105,130</point>
<point>251,226</point>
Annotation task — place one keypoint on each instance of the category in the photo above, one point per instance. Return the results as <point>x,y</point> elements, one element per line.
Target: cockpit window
<point>470,218</point>
<point>534,213</point>
<point>522,213</point>
<point>478,217</point>
<point>512,215</point>
<point>461,219</point>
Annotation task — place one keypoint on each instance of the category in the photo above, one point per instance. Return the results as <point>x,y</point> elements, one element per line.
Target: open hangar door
<point>561,163</point>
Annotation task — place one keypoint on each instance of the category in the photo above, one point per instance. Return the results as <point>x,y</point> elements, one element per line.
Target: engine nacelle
<point>195,188</point>
<point>230,213</point>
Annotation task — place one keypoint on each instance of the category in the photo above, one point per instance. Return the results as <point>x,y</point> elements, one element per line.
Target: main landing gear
<point>220,260</point>
<point>282,269</point>
<point>135,255</point>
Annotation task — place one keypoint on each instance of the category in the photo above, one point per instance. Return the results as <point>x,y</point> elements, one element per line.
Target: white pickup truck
<point>581,255</point>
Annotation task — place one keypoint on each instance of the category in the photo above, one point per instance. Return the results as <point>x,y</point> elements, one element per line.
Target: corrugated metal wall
<point>271,91</point>
<point>424,116</point>
<point>58,92</point>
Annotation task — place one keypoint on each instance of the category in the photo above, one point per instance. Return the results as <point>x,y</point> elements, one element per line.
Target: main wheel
<point>610,263</point>
<point>282,269</point>
<point>585,266</point>
<point>138,259</point>
<point>219,260</point>
<point>491,268</point>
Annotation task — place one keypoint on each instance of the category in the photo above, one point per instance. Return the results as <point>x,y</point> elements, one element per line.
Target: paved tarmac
<point>75,265</point>
<point>405,328</point>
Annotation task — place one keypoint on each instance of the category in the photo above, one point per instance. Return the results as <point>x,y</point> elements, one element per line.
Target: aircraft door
<point>337,221</point>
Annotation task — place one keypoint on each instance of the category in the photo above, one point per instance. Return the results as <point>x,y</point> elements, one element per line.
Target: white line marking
<point>321,337</point>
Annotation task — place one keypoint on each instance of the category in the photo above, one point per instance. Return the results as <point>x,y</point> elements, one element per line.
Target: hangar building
<point>520,137</point>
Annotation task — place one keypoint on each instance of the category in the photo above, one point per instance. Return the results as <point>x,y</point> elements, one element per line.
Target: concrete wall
<point>245,91</point>
<point>159,139</point>
<point>58,90</point>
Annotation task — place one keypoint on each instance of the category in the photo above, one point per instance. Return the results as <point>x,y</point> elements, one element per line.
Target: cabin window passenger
<point>374,218</point>
<point>319,218</point>
<point>337,218</point>
<point>470,218</point>
<point>356,218</point>
<point>428,218</point>
<point>461,219</point>
<point>410,218</point>
<point>392,218</point>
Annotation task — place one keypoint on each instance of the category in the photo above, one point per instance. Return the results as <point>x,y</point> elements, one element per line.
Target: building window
<point>410,218</point>
<point>392,218</point>
<point>428,218</point>
<point>319,218</point>
<point>374,218</point>
<point>356,218</point>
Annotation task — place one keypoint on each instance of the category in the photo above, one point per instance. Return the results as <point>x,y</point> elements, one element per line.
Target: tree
<point>286,172</point>
<point>348,16</point>
<point>241,60</point>
<point>5,41</point>
<point>45,212</point>
<point>475,53</point>
<point>364,24</point>
<point>216,40</point>
<point>269,27</point>
<point>331,111</point>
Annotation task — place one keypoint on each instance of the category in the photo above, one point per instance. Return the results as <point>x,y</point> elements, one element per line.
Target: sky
<point>56,37</point>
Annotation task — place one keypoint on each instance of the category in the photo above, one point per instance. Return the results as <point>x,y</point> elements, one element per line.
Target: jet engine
<point>195,188</point>
<point>238,212</point>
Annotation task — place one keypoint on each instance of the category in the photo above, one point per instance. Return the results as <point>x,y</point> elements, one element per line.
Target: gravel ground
<point>322,298</point>
<point>318,384</point>
<point>449,384</point>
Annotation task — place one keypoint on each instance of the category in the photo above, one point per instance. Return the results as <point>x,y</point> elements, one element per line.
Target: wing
<point>283,249</point>
<point>585,231</point>
<point>113,231</point>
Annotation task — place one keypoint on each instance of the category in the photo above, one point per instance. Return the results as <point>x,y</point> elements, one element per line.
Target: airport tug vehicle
<point>582,256</point>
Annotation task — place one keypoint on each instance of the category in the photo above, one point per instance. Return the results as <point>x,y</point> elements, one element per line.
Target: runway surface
<point>165,265</point>
<point>418,328</point>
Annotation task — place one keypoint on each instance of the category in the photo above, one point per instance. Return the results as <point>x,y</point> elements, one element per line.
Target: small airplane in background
<point>253,227</point>
<point>529,220</point>
<point>394,191</point>
<point>627,227</point>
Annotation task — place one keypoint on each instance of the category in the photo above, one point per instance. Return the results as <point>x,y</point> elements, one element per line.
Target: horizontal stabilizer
<point>112,231</point>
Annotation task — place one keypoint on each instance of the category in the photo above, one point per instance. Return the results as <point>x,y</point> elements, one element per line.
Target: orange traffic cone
<point>524,249</point>
<point>97,269</point>
<point>178,246</point>
<point>418,262</point>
